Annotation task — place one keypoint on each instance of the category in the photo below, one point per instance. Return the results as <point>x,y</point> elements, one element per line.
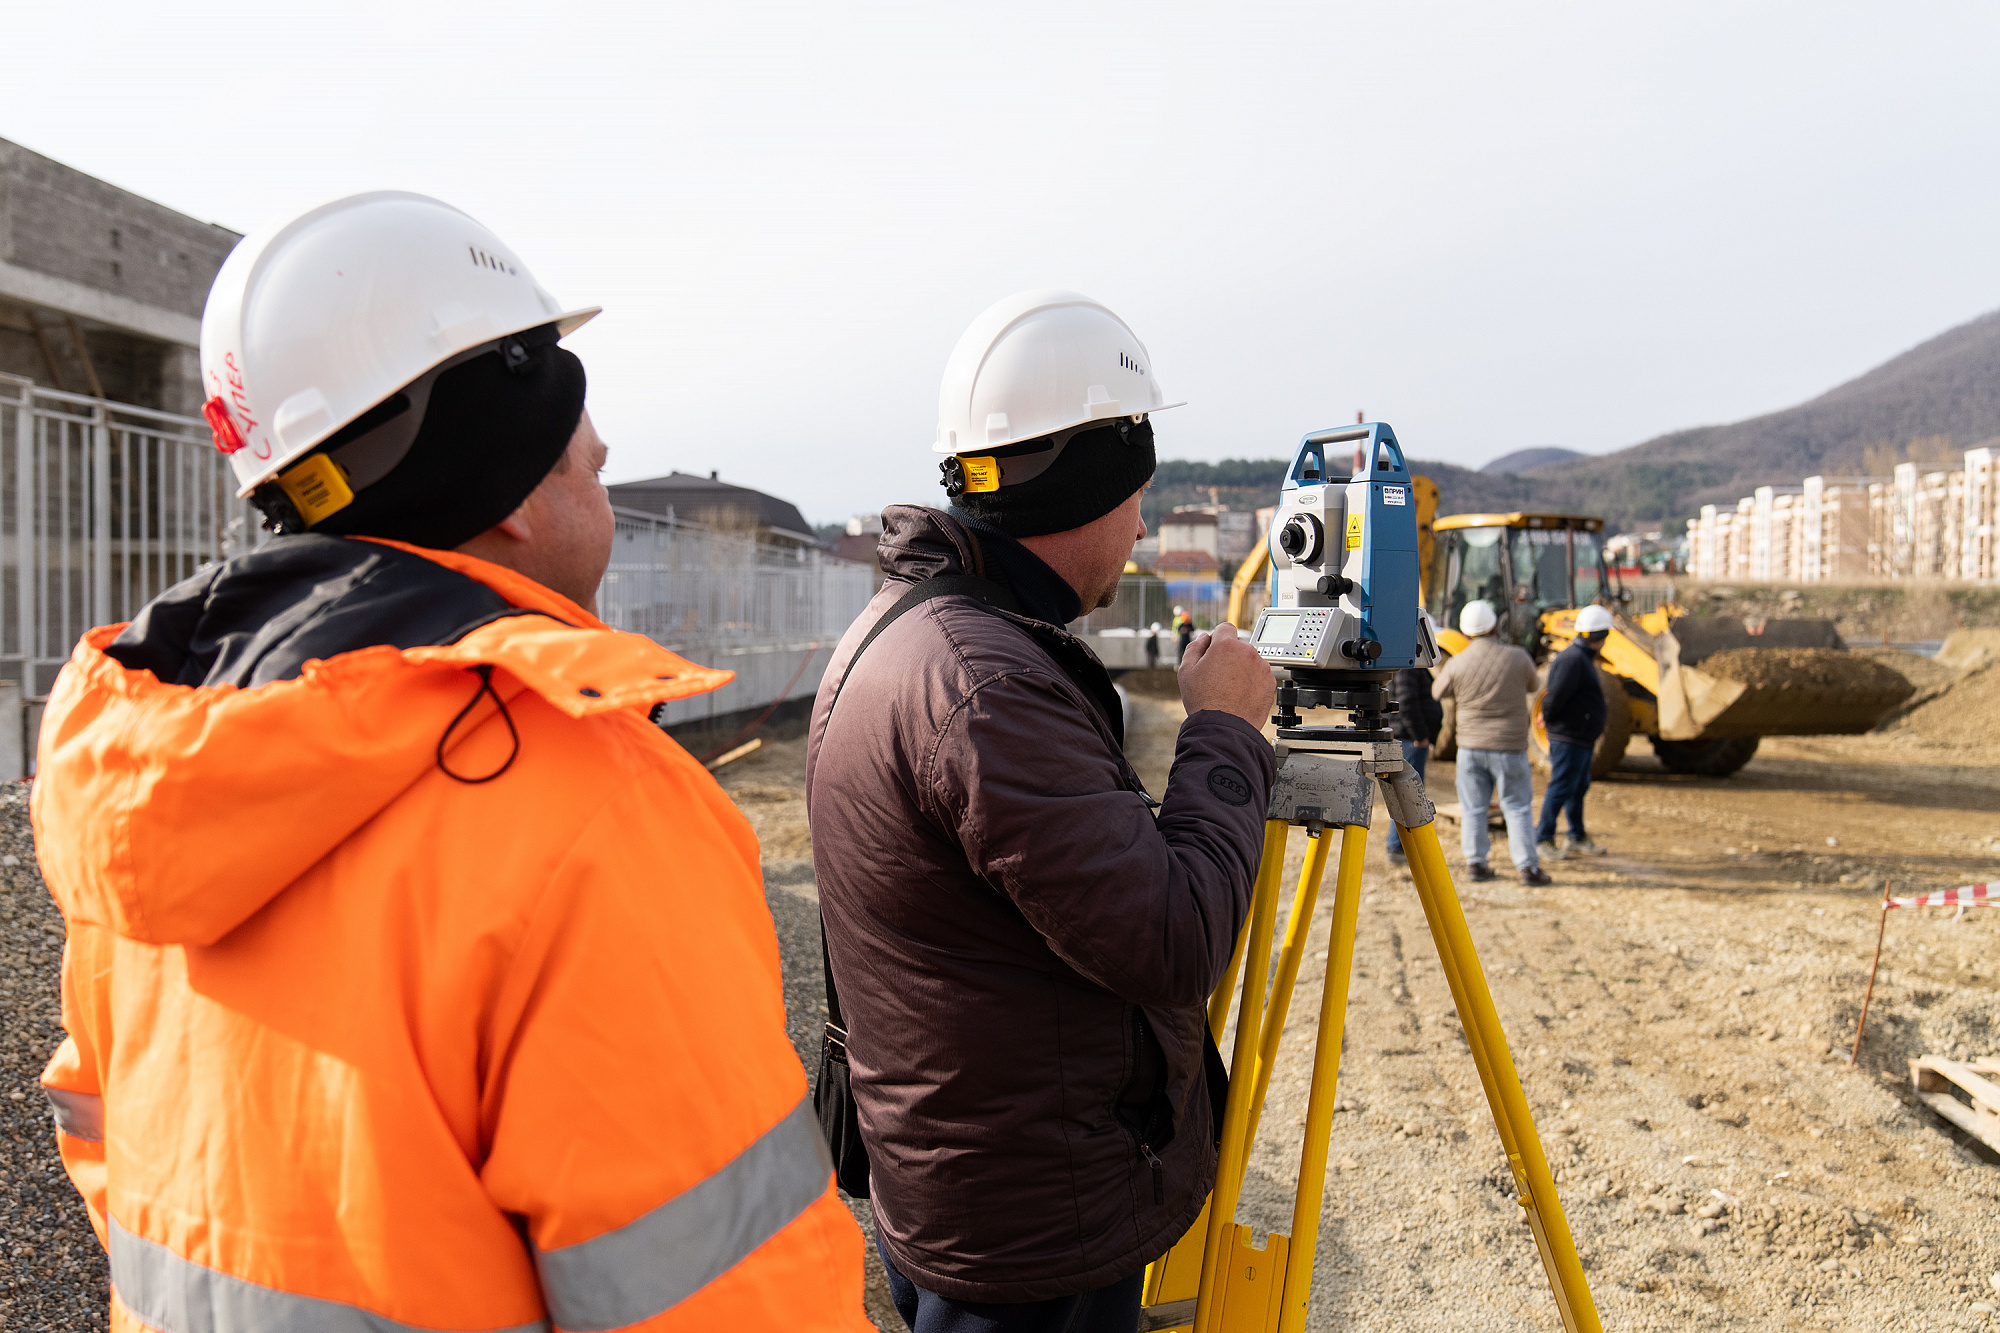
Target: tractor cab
<point>1526,565</point>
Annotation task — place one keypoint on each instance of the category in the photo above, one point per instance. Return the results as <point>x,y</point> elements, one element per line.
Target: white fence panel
<point>104,506</point>
<point>770,614</point>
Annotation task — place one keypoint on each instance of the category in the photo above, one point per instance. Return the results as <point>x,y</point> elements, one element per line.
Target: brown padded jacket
<point>1023,950</point>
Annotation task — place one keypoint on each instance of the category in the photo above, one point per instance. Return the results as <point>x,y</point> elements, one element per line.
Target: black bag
<point>833,1093</point>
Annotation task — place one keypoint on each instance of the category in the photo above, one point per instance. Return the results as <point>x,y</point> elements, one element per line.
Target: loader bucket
<point>1721,677</point>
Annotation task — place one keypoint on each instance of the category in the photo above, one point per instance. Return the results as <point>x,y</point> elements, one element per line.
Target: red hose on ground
<point>765,716</point>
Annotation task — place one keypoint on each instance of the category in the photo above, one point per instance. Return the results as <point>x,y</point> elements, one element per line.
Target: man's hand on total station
<point>1222,671</point>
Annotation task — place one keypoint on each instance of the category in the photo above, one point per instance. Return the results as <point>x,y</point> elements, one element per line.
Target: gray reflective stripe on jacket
<point>659,1260</point>
<point>78,1114</point>
<point>176,1295</point>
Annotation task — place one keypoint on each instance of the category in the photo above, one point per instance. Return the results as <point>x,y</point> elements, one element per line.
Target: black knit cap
<point>1095,472</point>
<point>494,427</point>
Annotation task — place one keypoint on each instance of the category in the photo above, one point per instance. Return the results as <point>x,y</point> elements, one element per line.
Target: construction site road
<point>1680,1010</point>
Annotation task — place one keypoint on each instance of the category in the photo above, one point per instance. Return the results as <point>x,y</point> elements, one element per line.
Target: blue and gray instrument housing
<point>1344,564</point>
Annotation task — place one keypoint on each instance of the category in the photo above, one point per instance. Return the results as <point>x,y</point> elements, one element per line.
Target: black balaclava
<point>1095,469</point>
<point>494,424</point>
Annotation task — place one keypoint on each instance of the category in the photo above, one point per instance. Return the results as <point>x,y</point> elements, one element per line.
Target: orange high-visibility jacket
<point>358,1046</point>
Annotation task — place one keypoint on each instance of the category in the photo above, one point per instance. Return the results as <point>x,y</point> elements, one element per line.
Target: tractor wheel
<point>1445,748</point>
<point>1706,759</point>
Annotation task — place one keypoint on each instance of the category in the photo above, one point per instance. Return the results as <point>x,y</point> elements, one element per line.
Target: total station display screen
<point>1278,629</point>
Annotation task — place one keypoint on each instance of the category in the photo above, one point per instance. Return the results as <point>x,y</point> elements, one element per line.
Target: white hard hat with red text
<point>309,326</point>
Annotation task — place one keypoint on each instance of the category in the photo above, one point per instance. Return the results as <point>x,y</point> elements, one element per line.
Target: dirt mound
<point>1967,713</point>
<point>1809,668</point>
<point>1968,648</point>
<point>1926,673</point>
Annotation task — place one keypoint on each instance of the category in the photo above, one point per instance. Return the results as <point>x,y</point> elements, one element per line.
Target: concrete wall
<point>130,275</point>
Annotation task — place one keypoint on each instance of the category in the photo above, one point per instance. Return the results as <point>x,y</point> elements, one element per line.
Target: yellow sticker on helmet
<point>981,474</point>
<point>1354,532</point>
<point>318,487</point>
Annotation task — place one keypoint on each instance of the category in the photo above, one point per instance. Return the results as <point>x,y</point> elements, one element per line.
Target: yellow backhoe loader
<point>1538,570</point>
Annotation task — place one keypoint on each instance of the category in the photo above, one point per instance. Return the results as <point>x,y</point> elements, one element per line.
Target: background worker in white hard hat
<point>414,979</point>
<point>1020,950</point>
<point>1573,713</point>
<point>1492,682</point>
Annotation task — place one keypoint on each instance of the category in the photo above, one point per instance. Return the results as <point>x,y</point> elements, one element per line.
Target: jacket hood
<point>919,543</point>
<point>171,812</point>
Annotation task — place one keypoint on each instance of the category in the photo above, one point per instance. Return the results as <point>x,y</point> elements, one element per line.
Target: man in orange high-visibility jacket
<point>415,981</point>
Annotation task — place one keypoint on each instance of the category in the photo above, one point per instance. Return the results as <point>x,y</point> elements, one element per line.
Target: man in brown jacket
<point>1022,946</point>
<point>1492,682</point>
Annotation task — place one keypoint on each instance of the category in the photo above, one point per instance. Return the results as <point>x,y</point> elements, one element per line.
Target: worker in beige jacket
<point>1492,682</point>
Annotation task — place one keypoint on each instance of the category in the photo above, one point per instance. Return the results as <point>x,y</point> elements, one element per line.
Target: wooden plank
<point>1173,1315</point>
<point>1985,1128</point>
<point>1983,1091</point>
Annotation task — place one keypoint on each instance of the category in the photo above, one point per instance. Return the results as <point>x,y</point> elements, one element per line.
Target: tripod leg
<point>1225,990</point>
<point>1290,955</point>
<point>1503,1085</point>
<point>1235,1151</point>
<point>1325,1082</point>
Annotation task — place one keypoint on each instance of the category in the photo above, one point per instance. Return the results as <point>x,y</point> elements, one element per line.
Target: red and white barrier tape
<point>1971,895</point>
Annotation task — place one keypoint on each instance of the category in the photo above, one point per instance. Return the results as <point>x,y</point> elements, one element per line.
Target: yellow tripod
<point>1212,1281</point>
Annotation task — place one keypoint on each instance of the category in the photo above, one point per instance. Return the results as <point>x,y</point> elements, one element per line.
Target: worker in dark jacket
<point>1022,947</point>
<point>1573,713</point>
<point>1417,721</point>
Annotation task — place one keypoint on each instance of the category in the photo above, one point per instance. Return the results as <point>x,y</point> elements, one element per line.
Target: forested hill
<point>1926,406</point>
<point>1252,483</point>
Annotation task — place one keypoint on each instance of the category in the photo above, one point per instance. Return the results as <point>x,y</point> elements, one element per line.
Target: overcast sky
<point>1492,225</point>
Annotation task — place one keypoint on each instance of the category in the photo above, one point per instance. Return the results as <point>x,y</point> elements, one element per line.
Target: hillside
<point>1521,460</point>
<point>1929,404</point>
<point>1245,483</point>
<point>1938,398</point>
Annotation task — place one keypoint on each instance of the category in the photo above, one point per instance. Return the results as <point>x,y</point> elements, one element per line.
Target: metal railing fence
<point>1145,598</point>
<point>771,614</point>
<point>103,506</point>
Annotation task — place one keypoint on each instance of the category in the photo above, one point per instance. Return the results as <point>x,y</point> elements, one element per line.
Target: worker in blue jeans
<point>1573,714</point>
<point>1492,682</point>
<point>1416,723</point>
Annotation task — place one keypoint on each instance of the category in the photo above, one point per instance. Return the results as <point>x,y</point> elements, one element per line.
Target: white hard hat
<point>1592,619</point>
<point>1477,618</point>
<point>1035,363</point>
<point>309,326</point>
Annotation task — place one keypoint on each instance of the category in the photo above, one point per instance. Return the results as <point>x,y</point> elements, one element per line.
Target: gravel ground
<point>1679,1010</point>
<point>52,1271</point>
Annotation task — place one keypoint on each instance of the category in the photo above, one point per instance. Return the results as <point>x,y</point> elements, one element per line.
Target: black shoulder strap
<point>944,585</point>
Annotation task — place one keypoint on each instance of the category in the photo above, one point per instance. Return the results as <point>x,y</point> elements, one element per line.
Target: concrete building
<point>719,507</point>
<point>1774,533</point>
<point>1834,541</point>
<point>861,543</point>
<point>1189,530</point>
<point>1979,528</point>
<point>1916,524</point>
<point>101,290</point>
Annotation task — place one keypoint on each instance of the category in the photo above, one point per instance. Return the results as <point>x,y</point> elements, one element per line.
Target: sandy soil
<point>1680,1011</point>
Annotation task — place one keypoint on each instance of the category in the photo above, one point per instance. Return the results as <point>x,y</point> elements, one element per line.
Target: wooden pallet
<point>1936,1079</point>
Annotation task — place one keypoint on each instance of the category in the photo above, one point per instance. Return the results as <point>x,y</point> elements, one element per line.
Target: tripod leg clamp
<point>1404,796</point>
